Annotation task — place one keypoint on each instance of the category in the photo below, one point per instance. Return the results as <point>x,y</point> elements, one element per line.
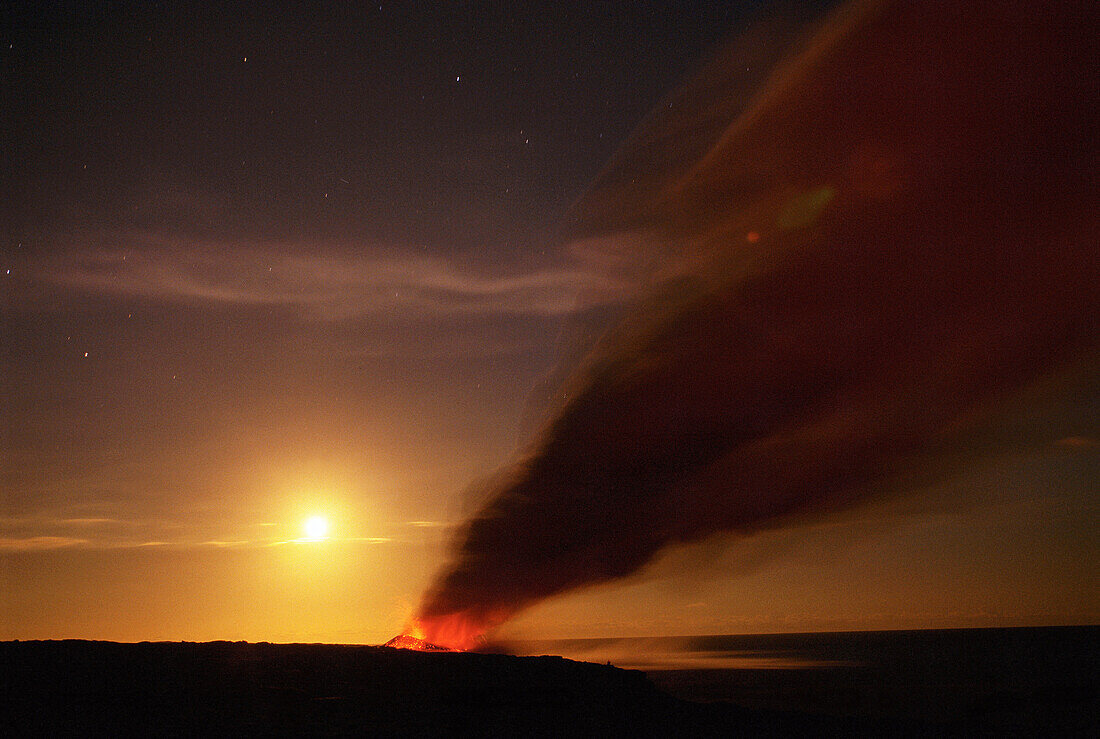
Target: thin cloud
<point>328,540</point>
<point>332,283</point>
<point>1078,443</point>
<point>39,522</point>
<point>39,543</point>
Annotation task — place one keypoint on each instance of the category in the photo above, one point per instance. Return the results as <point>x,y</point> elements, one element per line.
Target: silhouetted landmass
<point>1025,681</point>
<point>240,688</point>
<point>52,688</point>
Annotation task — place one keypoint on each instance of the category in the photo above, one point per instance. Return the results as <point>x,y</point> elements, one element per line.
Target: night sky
<point>264,265</point>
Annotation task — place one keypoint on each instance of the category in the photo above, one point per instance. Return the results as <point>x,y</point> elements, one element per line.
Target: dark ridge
<point>82,688</point>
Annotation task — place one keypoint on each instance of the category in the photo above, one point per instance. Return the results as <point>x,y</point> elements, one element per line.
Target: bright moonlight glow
<point>316,527</point>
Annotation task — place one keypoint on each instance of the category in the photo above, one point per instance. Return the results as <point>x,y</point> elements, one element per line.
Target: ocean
<point>942,675</point>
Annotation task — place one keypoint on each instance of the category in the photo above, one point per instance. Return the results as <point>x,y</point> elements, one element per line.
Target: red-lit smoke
<point>898,231</point>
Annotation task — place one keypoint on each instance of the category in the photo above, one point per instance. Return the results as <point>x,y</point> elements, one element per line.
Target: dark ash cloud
<point>897,234</point>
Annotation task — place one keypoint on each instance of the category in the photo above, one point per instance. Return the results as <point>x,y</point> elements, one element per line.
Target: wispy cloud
<point>326,540</point>
<point>38,543</point>
<point>329,282</point>
<point>22,524</point>
<point>1078,443</point>
<point>27,533</point>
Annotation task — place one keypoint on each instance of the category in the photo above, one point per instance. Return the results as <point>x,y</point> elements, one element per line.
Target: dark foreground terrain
<point>53,688</point>
<point>1022,681</point>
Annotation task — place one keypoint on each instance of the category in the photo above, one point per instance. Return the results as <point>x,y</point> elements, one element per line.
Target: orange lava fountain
<point>455,632</point>
<point>408,641</point>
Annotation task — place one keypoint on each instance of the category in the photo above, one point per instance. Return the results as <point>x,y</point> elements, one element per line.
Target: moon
<point>316,527</point>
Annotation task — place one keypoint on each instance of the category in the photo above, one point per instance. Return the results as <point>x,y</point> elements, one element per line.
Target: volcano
<point>407,641</point>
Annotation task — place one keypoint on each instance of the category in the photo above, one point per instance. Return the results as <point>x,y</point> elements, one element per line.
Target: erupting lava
<point>408,641</point>
<point>452,633</point>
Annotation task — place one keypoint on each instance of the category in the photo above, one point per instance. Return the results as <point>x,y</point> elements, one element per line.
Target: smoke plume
<point>896,232</point>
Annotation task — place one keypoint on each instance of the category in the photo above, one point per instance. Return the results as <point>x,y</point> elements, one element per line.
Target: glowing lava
<point>408,641</point>
<point>451,633</point>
